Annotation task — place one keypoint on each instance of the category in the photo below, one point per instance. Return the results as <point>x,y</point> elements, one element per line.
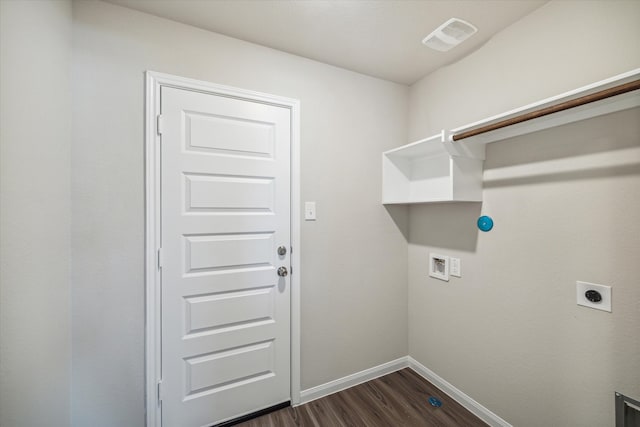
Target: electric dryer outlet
<point>593,295</point>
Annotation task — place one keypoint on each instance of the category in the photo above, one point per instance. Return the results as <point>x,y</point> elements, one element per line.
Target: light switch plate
<point>309,211</point>
<point>605,292</point>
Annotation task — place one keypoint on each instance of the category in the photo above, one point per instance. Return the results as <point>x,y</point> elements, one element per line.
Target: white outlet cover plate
<point>455,269</point>
<point>605,291</point>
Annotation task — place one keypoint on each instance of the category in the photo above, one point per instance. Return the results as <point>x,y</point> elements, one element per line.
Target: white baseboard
<point>340,384</point>
<point>471,405</point>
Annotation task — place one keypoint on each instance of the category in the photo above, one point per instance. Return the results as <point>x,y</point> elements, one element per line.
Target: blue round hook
<point>485,223</point>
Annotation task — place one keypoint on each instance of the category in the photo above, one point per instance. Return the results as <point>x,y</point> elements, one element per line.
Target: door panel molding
<point>154,81</point>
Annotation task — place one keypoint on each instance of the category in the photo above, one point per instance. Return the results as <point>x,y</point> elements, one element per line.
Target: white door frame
<point>154,81</point>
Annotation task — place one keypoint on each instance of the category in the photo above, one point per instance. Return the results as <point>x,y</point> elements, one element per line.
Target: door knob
<point>282,271</point>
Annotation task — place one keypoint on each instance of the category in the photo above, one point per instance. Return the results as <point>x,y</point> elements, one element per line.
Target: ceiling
<point>381,38</point>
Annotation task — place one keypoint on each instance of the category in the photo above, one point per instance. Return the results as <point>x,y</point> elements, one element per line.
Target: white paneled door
<point>225,230</point>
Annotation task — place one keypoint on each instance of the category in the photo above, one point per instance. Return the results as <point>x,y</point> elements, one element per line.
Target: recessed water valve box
<point>439,266</point>
<point>593,295</point>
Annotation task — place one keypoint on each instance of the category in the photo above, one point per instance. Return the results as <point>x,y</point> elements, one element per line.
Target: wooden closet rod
<point>596,96</point>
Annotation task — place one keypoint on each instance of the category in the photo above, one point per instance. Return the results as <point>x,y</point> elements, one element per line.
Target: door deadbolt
<point>282,250</point>
<point>282,272</point>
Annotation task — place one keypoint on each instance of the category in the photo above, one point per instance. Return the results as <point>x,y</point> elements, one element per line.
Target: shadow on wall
<point>564,154</point>
<point>555,155</point>
<point>400,216</point>
<point>445,225</point>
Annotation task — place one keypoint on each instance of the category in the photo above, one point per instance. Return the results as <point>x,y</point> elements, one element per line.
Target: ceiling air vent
<point>450,34</point>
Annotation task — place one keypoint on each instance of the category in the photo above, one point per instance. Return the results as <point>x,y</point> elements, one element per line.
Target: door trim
<point>153,82</point>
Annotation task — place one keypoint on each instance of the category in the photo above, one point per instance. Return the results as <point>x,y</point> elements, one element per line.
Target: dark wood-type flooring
<point>397,399</point>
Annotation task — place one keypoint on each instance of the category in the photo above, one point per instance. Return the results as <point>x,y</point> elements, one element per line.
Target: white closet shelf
<point>447,167</point>
<point>598,108</point>
<point>430,171</point>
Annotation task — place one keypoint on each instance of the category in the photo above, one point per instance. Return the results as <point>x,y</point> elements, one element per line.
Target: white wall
<point>566,208</point>
<point>35,209</point>
<point>354,257</point>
